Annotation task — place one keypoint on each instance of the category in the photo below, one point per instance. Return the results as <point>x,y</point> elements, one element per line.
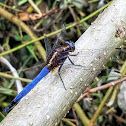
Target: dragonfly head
<point>71,44</point>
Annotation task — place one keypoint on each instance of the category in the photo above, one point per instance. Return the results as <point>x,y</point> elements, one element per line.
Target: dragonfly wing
<point>47,46</point>
<point>59,40</point>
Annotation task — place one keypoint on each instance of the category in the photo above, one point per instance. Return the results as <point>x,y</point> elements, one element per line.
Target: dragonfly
<point>55,58</point>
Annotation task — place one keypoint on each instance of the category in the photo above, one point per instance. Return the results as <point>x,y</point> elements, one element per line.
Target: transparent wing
<point>59,40</point>
<point>47,46</point>
<point>57,44</point>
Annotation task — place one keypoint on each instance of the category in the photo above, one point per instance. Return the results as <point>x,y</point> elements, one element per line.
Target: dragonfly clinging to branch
<point>55,57</point>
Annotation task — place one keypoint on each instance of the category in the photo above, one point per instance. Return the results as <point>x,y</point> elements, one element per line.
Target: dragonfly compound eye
<point>71,44</point>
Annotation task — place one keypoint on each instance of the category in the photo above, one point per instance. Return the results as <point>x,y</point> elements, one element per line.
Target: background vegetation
<point>21,43</point>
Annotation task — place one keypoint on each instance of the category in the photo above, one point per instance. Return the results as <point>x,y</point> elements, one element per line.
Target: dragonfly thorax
<point>59,55</point>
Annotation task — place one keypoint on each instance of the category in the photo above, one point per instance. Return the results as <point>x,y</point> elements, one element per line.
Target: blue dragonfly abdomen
<point>30,86</point>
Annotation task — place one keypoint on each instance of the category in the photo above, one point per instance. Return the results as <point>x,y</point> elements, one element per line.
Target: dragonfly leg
<point>73,54</point>
<point>72,62</point>
<point>60,76</point>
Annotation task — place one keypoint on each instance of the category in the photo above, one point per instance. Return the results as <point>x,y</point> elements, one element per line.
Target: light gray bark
<point>48,102</point>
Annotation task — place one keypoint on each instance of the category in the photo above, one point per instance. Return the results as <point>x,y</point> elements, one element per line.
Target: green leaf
<point>31,50</point>
<point>17,37</point>
<point>2,1</point>
<point>78,3</point>
<point>26,37</point>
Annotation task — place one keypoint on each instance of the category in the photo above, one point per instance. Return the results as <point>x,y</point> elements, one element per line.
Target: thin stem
<point>81,114</point>
<point>95,116</point>
<point>114,94</point>
<point>69,122</point>
<point>34,6</point>
<point>16,78</point>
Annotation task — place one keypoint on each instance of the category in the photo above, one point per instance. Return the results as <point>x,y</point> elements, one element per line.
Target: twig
<point>35,7</point>
<point>118,118</point>
<point>95,116</point>
<point>72,12</point>
<point>16,78</point>
<point>10,7</point>
<point>81,114</point>
<point>14,72</point>
<point>25,69</point>
<point>113,83</point>
<point>26,16</point>
<point>75,20</point>
<point>45,28</point>
<point>113,97</point>
<point>2,115</point>
<point>88,90</point>
<point>69,122</point>
<point>30,8</point>
<point>75,117</point>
